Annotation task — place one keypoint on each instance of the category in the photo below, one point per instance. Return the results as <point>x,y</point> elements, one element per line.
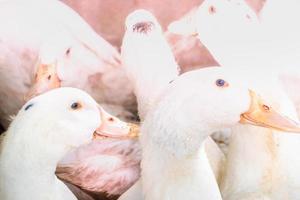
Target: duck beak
<point>261,114</point>
<point>112,127</point>
<point>46,78</point>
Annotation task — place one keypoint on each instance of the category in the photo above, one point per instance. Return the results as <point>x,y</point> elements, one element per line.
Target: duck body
<point>249,174</point>
<point>30,28</point>
<point>268,179</point>
<point>190,179</point>
<point>260,172</point>
<point>151,74</point>
<point>174,162</point>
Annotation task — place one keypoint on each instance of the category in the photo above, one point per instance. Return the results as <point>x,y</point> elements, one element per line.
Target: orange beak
<point>46,78</point>
<point>112,127</point>
<point>261,114</point>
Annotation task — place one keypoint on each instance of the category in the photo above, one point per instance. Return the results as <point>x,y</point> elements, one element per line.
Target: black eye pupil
<point>75,105</point>
<point>220,82</point>
<point>68,51</point>
<point>28,106</point>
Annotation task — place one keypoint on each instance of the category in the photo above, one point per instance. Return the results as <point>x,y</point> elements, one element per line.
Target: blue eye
<point>28,106</point>
<point>221,83</point>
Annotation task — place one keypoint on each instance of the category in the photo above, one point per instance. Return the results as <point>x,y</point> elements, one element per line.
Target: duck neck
<point>252,162</point>
<point>175,166</point>
<point>166,176</point>
<point>29,165</point>
<point>151,74</point>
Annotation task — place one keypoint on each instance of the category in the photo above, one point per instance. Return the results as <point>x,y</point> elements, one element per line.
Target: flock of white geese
<point>70,86</point>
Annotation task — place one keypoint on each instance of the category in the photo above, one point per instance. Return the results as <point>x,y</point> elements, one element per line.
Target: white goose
<point>34,38</point>
<point>174,163</point>
<point>44,130</point>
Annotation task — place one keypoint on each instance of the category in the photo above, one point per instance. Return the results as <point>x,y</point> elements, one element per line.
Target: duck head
<point>141,22</point>
<point>203,101</point>
<point>67,60</point>
<point>217,18</point>
<point>70,117</point>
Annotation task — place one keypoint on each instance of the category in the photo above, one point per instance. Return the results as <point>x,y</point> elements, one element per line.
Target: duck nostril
<point>143,27</point>
<point>111,119</point>
<point>266,108</point>
<point>212,10</point>
<point>49,77</point>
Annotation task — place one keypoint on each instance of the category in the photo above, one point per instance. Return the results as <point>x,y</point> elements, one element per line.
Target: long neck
<point>165,176</point>
<point>151,66</point>
<point>175,166</point>
<point>28,167</point>
<point>252,163</point>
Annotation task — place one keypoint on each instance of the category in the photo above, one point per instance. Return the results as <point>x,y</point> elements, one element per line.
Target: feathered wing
<point>107,166</point>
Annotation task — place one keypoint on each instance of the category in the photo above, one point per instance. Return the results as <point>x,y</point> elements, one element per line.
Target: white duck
<point>236,36</point>
<point>147,58</point>
<point>174,163</point>
<point>44,130</point>
<point>151,67</point>
<point>258,173</point>
<point>240,32</point>
<point>112,164</point>
<point>34,38</point>
<point>220,25</point>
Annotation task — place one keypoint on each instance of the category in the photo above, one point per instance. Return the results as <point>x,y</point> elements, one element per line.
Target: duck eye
<point>76,106</point>
<point>28,106</point>
<point>68,51</point>
<point>221,83</point>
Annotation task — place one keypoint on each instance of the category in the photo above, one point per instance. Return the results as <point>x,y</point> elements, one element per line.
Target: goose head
<point>201,102</point>
<point>66,118</point>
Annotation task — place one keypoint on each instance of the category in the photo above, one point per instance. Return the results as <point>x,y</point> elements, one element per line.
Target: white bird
<point>44,130</point>
<point>236,36</point>
<point>221,25</point>
<point>151,67</point>
<point>174,163</point>
<point>254,167</point>
<point>147,58</point>
<point>61,49</point>
<point>246,40</point>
